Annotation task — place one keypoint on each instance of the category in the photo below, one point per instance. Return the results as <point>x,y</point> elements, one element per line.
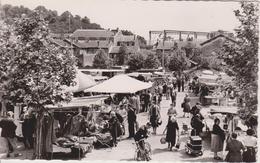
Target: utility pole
<point>69,23</point>
<point>164,37</point>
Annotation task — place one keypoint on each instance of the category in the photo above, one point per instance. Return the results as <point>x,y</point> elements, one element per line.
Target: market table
<point>214,100</point>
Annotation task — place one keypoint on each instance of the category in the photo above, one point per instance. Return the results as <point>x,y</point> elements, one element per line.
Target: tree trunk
<point>39,138</point>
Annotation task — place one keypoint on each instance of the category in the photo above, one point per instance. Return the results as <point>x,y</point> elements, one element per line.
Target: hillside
<point>57,23</point>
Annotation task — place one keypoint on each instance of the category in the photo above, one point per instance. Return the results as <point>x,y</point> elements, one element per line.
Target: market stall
<point>82,82</point>
<point>120,84</point>
<point>146,75</point>
<point>229,115</point>
<point>74,125</point>
<point>231,123</point>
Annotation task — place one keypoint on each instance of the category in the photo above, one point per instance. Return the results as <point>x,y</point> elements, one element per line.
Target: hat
<point>10,113</point>
<point>112,113</point>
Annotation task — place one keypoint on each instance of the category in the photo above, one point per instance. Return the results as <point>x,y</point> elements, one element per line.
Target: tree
<point>151,61</point>
<point>178,61</point>
<point>122,56</point>
<point>166,58</point>
<point>136,61</point>
<point>101,60</point>
<point>33,71</point>
<point>242,59</point>
<point>57,23</point>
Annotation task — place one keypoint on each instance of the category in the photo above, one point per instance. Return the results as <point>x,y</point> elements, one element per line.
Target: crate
<point>194,147</point>
<point>195,140</point>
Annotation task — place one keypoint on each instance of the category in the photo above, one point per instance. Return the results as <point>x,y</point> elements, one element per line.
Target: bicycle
<point>142,154</point>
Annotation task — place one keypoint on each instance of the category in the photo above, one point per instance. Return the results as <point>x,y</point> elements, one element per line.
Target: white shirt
<point>250,141</point>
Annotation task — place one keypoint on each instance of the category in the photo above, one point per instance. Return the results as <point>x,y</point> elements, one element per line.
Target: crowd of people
<point>123,108</point>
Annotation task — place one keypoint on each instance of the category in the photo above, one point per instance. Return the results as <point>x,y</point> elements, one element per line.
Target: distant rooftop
<point>216,37</point>
<point>61,43</point>
<point>167,45</point>
<point>92,44</point>
<point>124,38</point>
<point>116,49</point>
<point>96,33</point>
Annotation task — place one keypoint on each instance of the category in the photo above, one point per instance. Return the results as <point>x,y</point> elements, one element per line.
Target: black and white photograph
<point>129,80</point>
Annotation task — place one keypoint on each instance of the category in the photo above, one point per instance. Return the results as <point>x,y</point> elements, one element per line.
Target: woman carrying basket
<point>171,128</point>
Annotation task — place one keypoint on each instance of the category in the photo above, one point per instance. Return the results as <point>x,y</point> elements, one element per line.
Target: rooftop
<point>96,33</point>
<point>92,44</point>
<point>116,49</point>
<point>216,37</point>
<point>61,43</point>
<point>170,44</point>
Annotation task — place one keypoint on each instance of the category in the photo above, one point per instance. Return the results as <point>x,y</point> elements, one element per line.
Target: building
<point>211,48</point>
<point>86,42</point>
<point>130,42</point>
<point>92,34</point>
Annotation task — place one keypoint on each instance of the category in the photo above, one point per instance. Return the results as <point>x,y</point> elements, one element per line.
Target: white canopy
<point>208,72</point>
<point>120,84</point>
<point>224,110</point>
<point>83,81</point>
<point>209,79</point>
<point>80,102</point>
<point>136,74</point>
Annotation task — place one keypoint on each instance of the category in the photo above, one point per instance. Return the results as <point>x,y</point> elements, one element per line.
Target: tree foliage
<point>166,58</point>
<point>242,58</point>
<point>101,60</point>
<point>178,60</point>
<point>32,70</point>
<point>122,56</point>
<point>136,61</point>
<point>57,23</point>
<point>151,61</point>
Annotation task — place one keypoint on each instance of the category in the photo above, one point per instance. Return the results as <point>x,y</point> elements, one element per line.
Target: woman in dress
<point>171,112</point>
<point>250,143</point>
<point>154,114</point>
<point>234,148</point>
<point>173,96</point>
<point>114,127</point>
<point>217,139</point>
<point>171,129</point>
<point>186,106</point>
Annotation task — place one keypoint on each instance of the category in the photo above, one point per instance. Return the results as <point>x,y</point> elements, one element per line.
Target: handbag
<point>178,143</point>
<point>163,140</point>
<point>159,121</point>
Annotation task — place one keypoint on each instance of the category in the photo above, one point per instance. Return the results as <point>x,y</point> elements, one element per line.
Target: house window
<point>118,43</point>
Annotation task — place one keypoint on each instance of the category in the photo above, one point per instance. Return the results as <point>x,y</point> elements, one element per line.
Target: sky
<point>142,16</point>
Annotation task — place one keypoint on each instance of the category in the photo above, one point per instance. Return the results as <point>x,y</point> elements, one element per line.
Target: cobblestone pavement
<point>125,149</point>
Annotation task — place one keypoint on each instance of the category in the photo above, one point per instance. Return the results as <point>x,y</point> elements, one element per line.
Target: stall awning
<point>136,74</point>
<point>120,84</point>
<point>224,110</point>
<point>83,81</point>
<point>80,102</point>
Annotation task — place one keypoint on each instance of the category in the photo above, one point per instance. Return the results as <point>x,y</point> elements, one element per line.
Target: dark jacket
<point>218,131</point>
<point>140,134</point>
<point>196,122</point>
<point>8,128</point>
<point>131,116</point>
